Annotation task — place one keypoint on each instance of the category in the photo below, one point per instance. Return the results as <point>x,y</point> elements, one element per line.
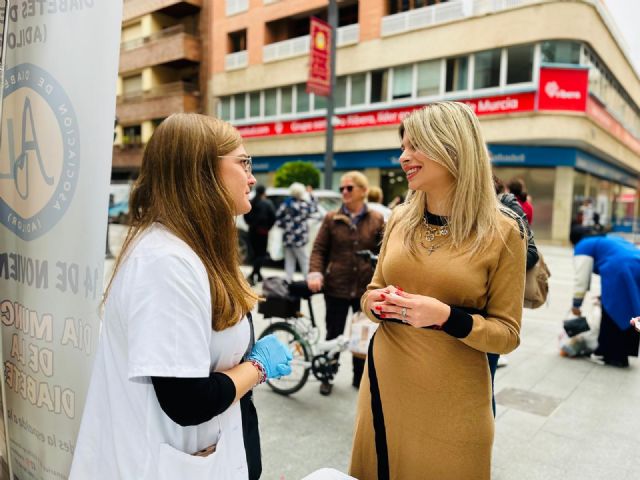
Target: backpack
<point>536,287</point>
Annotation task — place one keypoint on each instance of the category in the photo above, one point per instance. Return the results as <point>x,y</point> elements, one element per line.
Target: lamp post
<point>328,158</point>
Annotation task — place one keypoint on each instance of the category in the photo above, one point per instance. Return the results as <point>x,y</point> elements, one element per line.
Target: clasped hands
<point>413,309</point>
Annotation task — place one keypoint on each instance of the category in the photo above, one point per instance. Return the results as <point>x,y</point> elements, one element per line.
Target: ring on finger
<point>403,313</point>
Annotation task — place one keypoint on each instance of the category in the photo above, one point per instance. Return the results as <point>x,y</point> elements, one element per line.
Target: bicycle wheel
<point>301,363</point>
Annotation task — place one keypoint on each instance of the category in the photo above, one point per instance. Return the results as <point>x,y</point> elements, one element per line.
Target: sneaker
<point>325,388</point>
<point>597,359</point>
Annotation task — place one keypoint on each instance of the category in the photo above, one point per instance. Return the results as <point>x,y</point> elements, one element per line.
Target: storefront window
<point>319,102</point>
<point>560,51</point>
<point>457,74</point>
<point>286,100</point>
<point>340,93</point>
<point>357,89</point>
<point>487,69</point>
<point>270,102</point>
<point>519,64</point>
<point>239,107</point>
<point>402,81</point>
<point>379,86</point>
<point>302,98</point>
<point>225,108</point>
<point>254,104</point>
<point>429,78</point>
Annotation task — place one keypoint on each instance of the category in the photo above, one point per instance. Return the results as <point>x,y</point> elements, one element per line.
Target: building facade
<point>162,71</point>
<point>555,91</point>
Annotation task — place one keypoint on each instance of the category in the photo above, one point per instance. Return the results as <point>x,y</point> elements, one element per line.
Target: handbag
<point>536,287</point>
<point>574,326</point>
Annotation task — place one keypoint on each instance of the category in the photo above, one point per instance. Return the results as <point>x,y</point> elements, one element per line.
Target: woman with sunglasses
<point>170,393</point>
<point>334,266</point>
<point>447,289</point>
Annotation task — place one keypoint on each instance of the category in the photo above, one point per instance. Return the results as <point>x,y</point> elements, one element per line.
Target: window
<point>286,100</point>
<point>379,86</point>
<point>239,107</point>
<point>402,82</point>
<point>428,78</point>
<point>237,41</point>
<point>302,98</point>
<point>396,6</point>
<point>457,74</point>
<point>254,104</point>
<point>132,85</point>
<point>270,102</point>
<point>487,69</point>
<point>319,102</point>
<point>132,135</point>
<point>560,51</point>
<point>358,84</point>
<point>519,64</point>
<point>340,92</point>
<point>225,108</point>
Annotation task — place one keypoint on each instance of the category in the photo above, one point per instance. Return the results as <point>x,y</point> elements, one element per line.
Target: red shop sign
<point>520,102</point>
<point>563,88</point>
<point>319,81</point>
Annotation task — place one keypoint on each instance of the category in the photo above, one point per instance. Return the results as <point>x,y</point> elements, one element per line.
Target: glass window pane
<point>379,86</point>
<point>302,100</point>
<point>520,64</point>
<point>402,81</point>
<point>357,89</point>
<point>239,105</point>
<point>457,74</point>
<point>254,104</point>
<point>428,78</point>
<point>487,69</point>
<point>340,93</point>
<point>560,51</point>
<point>319,102</point>
<point>270,102</point>
<point>286,100</point>
<point>225,108</point>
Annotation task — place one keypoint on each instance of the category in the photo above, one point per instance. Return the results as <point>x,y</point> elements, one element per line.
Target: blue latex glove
<point>273,355</point>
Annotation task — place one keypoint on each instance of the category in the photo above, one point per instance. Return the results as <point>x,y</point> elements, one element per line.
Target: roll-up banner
<point>58,106</point>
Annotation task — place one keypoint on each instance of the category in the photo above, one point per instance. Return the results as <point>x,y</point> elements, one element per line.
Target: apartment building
<point>161,55</point>
<point>555,91</point>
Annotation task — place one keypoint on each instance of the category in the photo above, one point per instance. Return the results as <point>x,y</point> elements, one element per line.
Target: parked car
<point>327,200</point>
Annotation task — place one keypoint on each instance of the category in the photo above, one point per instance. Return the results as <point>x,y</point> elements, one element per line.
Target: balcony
<point>234,7</point>
<point>174,8</point>
<point>127,157</point>
<point>159,102</point>
<point>423,17</point>
<point>172,44</point>
<point>294,47</point>
<point>234,61</point>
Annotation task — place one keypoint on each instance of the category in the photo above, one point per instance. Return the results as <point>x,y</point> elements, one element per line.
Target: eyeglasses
<point>348,188</point>
<point>247,162</point>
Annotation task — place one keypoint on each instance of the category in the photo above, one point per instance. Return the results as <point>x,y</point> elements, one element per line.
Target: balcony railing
<point>159,102</point>
<point>347,35</point>
<point>236,6</point>
<point>176,8</point>
<point>422,17</point>
<point>164,33</point>
<point>159,91</point>
<point>236,60</point>
<point>169,45</point>
<point>481,7</point>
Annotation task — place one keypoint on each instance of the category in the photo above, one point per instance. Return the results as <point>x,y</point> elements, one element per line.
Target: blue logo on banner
<point>39,152</point>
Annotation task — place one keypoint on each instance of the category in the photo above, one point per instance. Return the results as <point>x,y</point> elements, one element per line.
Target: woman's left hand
<point>419,310</point>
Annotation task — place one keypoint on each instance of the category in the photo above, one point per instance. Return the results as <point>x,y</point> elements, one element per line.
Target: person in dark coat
<point>260,220</point>
<point>617,261</point>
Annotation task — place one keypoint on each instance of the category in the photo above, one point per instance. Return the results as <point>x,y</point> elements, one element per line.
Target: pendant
<point>431,248</point>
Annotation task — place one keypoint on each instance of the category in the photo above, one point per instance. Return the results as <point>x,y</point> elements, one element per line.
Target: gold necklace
<point>433,232</point>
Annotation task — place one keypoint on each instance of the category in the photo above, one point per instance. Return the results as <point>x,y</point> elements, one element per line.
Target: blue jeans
<point>493,365</point>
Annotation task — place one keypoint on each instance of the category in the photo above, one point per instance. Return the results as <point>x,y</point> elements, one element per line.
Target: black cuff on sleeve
<point>192,401</point>
<point>459,323</point>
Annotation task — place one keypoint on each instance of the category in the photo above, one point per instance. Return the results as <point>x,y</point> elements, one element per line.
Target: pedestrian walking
<point>259,219</point>
<point>292,218</point>
<point>335,267</point>
<point>170,392</point>
<point>448,288</point>
<point>617,261</point>
<point>517,187</point>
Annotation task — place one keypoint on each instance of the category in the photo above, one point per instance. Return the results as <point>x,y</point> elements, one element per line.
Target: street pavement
<point>557,418</point>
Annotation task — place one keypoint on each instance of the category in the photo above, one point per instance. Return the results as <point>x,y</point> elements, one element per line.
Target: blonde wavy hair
<point>449,133</point>
<point>179,187</point>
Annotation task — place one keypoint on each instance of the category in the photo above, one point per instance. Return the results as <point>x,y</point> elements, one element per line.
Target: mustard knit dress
<point>424,409</point>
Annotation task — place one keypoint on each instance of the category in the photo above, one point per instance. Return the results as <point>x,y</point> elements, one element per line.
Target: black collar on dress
<point>433,219</point>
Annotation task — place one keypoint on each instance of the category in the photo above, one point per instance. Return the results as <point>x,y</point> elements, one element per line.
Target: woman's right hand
<point>273,355</point>
<point>377,297</point>
<point>315,281</point>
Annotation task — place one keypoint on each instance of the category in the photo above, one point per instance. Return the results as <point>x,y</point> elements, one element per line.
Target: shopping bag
<point>362,329</point>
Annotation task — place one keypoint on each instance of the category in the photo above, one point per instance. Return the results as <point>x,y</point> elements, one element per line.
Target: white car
<point>328,200</point>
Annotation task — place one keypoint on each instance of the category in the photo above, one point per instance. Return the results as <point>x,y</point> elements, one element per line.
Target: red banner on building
<point>563,88</point>
<point>319,81</point>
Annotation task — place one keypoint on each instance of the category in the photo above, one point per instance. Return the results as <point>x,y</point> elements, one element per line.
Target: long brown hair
<point>179,186</point>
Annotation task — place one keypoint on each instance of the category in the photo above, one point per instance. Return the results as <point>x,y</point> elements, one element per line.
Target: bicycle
<point>301,334</point>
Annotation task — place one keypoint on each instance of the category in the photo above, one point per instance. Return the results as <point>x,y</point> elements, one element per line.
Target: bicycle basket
<point>281,307</point>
